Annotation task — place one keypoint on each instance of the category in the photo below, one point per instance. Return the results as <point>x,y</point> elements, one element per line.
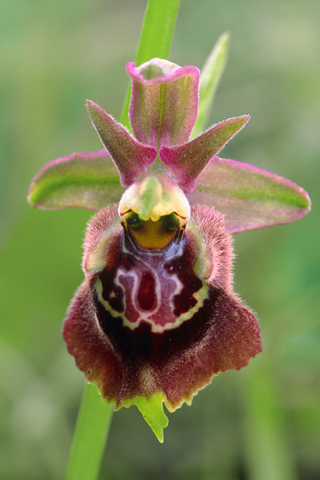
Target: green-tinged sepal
<point>152,411</point>
<point>81,180</point>
<point>248,196</point>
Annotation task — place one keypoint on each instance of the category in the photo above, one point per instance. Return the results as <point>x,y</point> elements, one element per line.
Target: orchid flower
<point>156,316</point>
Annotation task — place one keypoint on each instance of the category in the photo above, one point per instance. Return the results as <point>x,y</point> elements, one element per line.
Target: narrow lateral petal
<point>130,156</point>
<point>164,102</point>
<point>248,196</point>
<point>81,180</point>
<point>187,161</point>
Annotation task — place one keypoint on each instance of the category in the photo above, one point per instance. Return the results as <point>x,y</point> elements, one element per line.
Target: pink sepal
<point>163,110</point>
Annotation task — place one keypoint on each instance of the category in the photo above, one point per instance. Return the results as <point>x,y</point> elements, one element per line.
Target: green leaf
<point>248,196</point>
<point>90,436</point>
<point>152,411</point>
<point>211,74</point>
<point>156,36</point>
<point>80,180</point>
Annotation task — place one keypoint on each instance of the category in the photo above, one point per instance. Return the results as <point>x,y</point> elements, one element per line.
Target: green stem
<point>157,31</point>
<point>90,436</point>
<point>156,36</point>
<point>94,416</point>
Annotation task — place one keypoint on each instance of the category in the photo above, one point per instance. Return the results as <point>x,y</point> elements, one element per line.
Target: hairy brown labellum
<point>158,320</point>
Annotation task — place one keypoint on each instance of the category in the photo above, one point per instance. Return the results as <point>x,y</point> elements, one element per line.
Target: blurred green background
<point>262,423</point>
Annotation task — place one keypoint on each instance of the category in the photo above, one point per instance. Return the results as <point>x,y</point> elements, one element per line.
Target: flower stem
<point>90,436</point>
<point>94,416</point>
<point>157,31</point>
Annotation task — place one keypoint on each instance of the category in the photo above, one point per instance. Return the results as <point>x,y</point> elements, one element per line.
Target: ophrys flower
<point>156,316</point>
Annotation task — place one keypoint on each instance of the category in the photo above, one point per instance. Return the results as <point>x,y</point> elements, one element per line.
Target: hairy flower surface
<point>156,316</point>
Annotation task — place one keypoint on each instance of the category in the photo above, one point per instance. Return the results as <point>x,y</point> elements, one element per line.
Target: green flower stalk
<point>156,316</point>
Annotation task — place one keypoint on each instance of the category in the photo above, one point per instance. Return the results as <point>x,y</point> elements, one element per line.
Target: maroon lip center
<point>146,295</point>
